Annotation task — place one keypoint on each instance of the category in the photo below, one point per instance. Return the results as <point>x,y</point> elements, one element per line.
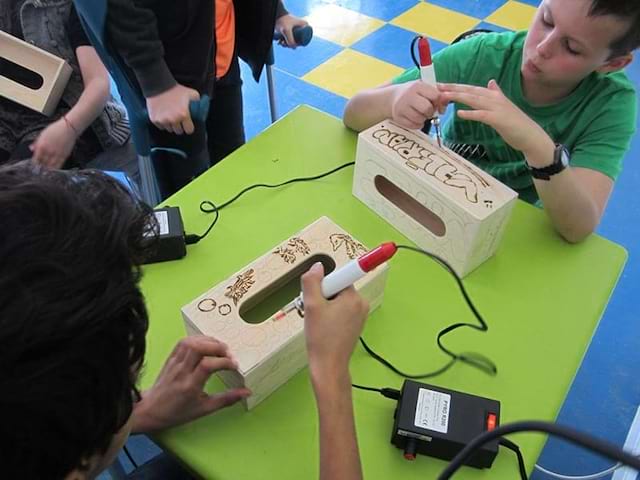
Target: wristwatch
<point>560,162</point>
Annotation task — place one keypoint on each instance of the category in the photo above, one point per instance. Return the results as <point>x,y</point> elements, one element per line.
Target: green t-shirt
<point>595,122</point>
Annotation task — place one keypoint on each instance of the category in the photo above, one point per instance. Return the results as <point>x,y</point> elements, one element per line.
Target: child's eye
<point>571,50</point>
<point>546,22</point>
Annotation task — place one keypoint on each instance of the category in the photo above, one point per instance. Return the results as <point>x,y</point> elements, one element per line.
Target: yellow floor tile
<point>341,25</point>
<point>350,72</point>
<point>513,15</point>
<point>436,22</point>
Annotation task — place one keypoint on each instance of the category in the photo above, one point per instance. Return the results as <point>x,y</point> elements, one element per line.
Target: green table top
<point>542,299</point>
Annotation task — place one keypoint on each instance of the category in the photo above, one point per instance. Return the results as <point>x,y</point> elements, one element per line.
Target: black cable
<point>207,206</point>
<point>474,359</point>
<point>512,446</point>
<point>293,180</point>
<point>599,446</point>
<point>391,393</point>
<point>129,456</point>
<point>192,238</point>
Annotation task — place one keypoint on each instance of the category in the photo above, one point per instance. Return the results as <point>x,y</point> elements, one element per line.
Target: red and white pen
<point>428,76</point>
<point>344,276</point>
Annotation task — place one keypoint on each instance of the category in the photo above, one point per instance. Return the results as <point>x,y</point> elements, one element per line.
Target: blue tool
<point>302,35</point>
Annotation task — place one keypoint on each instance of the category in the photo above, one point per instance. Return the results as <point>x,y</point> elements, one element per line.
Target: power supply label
<point>163,222</point>
<point>432,410</point>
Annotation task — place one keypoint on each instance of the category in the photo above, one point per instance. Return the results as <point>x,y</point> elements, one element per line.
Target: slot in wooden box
<point>271,352</point>
<point>442,202</point>
<point>54,74</point>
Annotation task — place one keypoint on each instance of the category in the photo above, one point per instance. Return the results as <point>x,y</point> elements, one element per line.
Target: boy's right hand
<point>331,328</point>
<point>413,103</point>
<point>169,110</point>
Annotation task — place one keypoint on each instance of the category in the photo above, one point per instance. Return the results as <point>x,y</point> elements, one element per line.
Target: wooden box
<point>271,352</point>
<point>50,79</point>
<point>439,200</point>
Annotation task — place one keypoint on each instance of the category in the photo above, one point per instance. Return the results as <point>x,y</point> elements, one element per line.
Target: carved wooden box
<point>271,352</point>
<point>46,74</point>
<point>439,200</point>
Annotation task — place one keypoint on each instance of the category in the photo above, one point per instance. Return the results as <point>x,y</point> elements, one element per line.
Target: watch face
<point>564,156</point>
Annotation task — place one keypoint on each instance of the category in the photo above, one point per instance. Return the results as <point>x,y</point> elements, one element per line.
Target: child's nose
<point>545,48</point>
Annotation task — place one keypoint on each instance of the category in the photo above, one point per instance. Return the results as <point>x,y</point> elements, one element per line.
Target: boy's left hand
<point>285,25</point>
<point>54,145</point>
<point>178,395</point>
<point>492,107</point>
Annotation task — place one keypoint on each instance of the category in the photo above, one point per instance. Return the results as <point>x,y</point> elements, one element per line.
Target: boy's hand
<point>170,110</point>
<point>331,328</point>
<point>493,108</point>
<point>54,145</point>
<point>178,394</point>
<point>285,25</point>
<point>413,103</point>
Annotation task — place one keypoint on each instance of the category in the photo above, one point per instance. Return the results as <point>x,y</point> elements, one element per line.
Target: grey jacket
<point>44,25</point>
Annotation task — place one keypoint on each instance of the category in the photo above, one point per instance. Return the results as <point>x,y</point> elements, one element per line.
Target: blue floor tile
<point>535,3</point>
<point>299,8</point>
<point>381,9</point>
<point>392,44</point>
<point>474,8</point>
<point>302,60</point>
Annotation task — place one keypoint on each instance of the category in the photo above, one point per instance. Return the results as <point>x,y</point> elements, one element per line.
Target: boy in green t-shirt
<point>549,112</point>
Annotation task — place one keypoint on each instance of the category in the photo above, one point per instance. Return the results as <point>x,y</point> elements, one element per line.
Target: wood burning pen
<point>428,76</point>
<point>344,276</point>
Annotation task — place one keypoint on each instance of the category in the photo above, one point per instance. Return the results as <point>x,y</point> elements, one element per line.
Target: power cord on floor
<point>207,206</point>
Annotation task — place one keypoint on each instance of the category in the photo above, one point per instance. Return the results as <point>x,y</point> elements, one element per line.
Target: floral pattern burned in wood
<point>293,247</point>
<point>354,249</point>
<point>241,286</point>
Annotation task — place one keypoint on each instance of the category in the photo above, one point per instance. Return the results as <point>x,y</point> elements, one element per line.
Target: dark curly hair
<point>72,317</point>
<point>624,10</point>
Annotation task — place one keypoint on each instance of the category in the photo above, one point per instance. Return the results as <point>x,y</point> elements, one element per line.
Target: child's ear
<point>616,63</point>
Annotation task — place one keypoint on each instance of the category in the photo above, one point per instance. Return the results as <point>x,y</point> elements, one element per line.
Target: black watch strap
<point>560,162</point>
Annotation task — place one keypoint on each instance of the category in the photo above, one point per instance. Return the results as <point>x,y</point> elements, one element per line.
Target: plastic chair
<point>93,15</point>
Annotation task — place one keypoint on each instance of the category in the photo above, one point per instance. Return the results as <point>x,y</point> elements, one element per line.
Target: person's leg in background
<point>225,124</point>
<point>178,159</point>
<point>9,128</point>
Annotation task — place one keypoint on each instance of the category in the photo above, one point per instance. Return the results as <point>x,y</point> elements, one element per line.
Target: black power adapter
<point>438,422</point>
<point>170,244</point>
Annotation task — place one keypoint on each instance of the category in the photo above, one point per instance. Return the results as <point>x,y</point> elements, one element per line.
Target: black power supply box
<point>170,244</point>
<point>438,422</point>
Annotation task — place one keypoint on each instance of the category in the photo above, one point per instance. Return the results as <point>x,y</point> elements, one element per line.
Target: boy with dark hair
<point>72,334</point>
<point>549,112</point>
